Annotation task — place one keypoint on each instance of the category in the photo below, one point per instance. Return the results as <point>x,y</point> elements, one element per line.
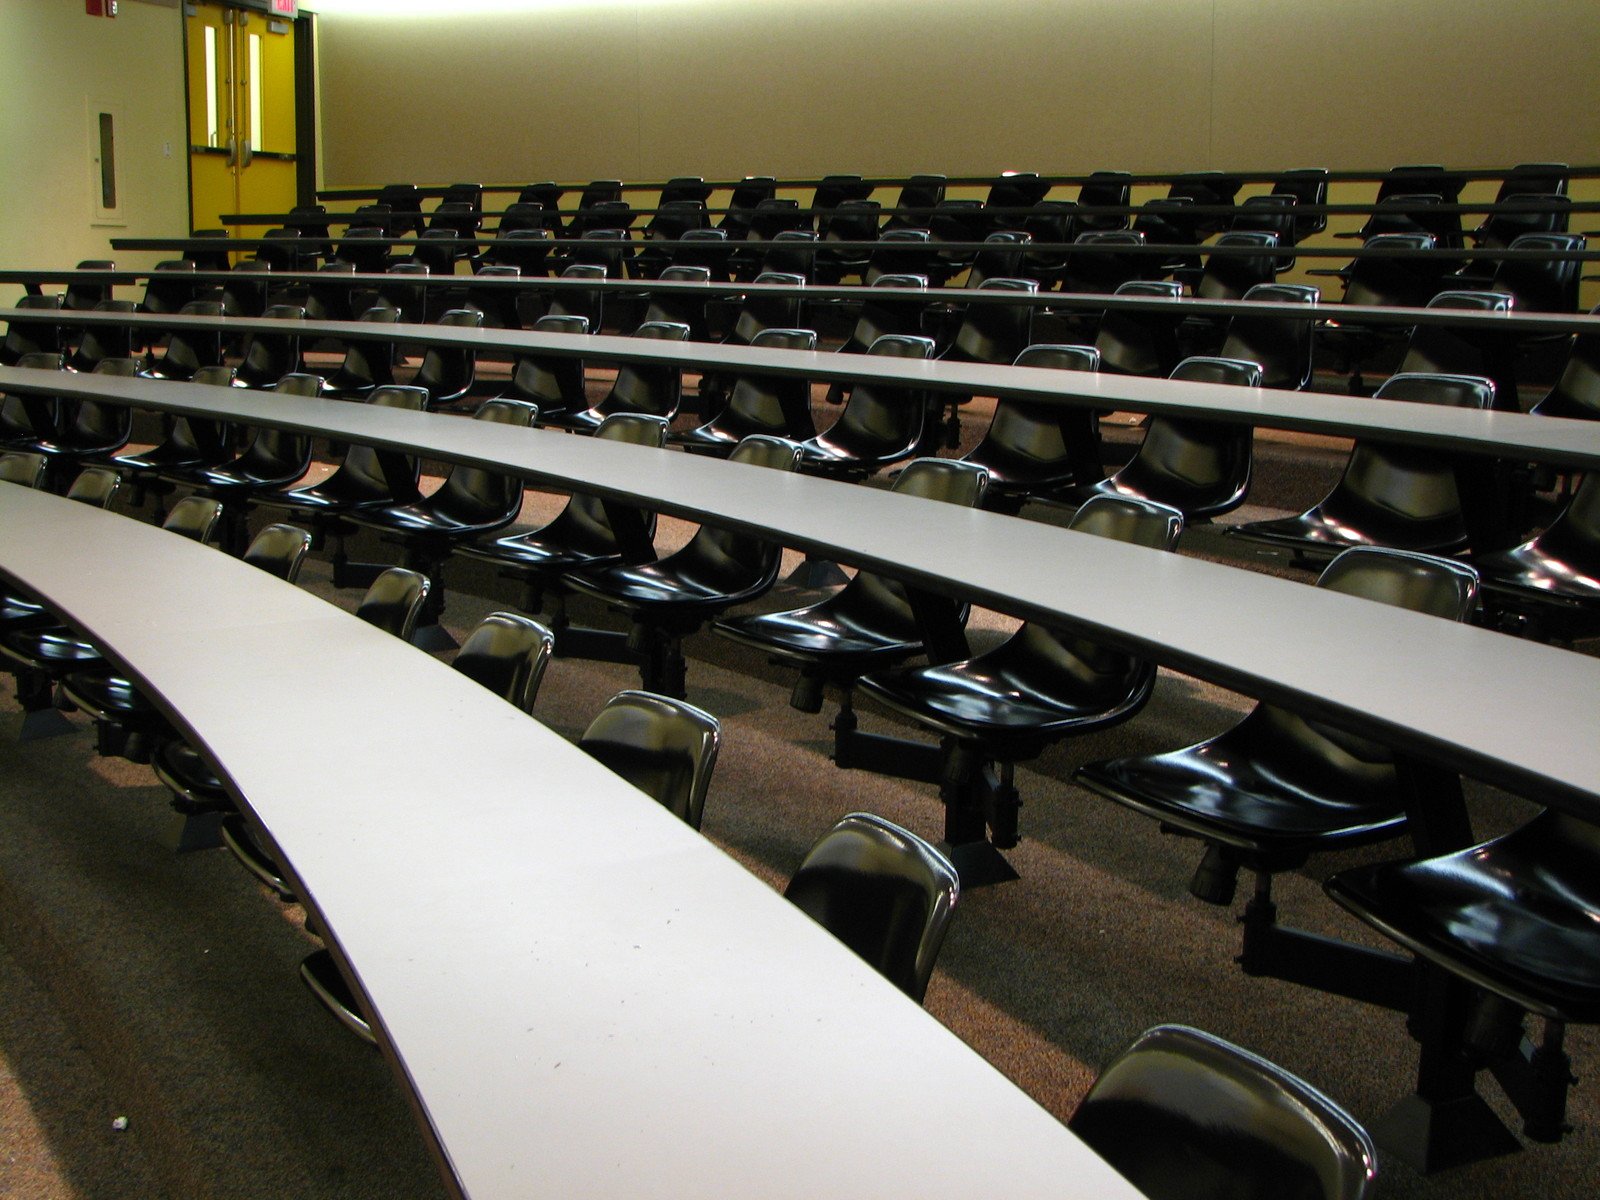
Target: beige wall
<point>642,89</point>
<point>55,60</point>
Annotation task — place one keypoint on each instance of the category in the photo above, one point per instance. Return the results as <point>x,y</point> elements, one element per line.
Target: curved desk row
<point>1500,709</point>
<point>1160,250</point>
<point>581,995</point>
<point>1558,441</point>
<point>1497,323</point>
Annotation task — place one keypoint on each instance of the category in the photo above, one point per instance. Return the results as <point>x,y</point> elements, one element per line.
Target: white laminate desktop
<point>585,997</point>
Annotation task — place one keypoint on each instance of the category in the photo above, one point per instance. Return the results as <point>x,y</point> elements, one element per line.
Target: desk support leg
<point>1444,1123</point>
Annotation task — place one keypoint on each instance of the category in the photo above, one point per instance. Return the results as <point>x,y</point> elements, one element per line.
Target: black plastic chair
<point>169,287</point>
<point>364,248</point>
<point>23,468</point>
<point>1278,787</point>
<point>585,302</point>
<point>1549,586</point>
<point>498,305</point>
<point>670,598</point>
<point>653,389</point>
<point>919,196</point>
<point>274,459</point>
<point>1099,269</point>
<point>1052,222</point>
<point>187,444</point>
<point>268,357</point>
<point>1402,497</point>
<point>97,343</point>
<point>1576,391</point>
<point>83,296</point>
<point>190,349</point>
<point>771,217</point>
<point>769,404</point>
<point>880,425</point>
<point>868,623</point>
<point>670,222</point>
<point>1181,1113</point>
<point>1199,467</point>
<point>471,501</point>
<point>447,373</point>
<point>1281,346</point>
<point>580,535</point>
<point>1005,706</point>
<point>1549,285</point>
<point>1378,282</point>
<point>666,748</point>
<point>883,892</point>
<point>987,333</point>
<point>1447,350</point>
<point>247,288</point>
<point>526,249</point>
<point>1309,187</point>
<point>903,253</point>
<point>1104,189</point>
<point>368,362</point>
<point>25,421</point>
<point>1141,343</point>
<point>553,384</point>
<point>680,308</point>
<point>1038,449</point>
<point>365,478</point>
<point>1514,918</point>
<point>30,335</point>
<point>87,431</point>
<point>851,221</point>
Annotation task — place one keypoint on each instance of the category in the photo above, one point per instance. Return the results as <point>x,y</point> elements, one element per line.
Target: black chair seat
<point>250,478</point>
<point>1344,521</point>
<point>54,649</point>
<point>674,586</point>
<point>823,630</point>
<point>1004,700</point>
<point>1258,788</point>
<point>107,696</point>
<point>194,787</point>
<point>1557,573</point>
<point>421,521</point>
<point>1515,916</point>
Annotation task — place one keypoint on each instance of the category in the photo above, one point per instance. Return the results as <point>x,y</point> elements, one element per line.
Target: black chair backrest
<point>664,747</point>
<point>994,333</point>
<point>761,311</point>
<point>777,405</point>
<point>1141,343</point>
<point>394,601</point>
<point>29,336</point>
<point>1230,276</point>
<point>1543,286</point>
<point>647,387</point>
<point>100,342</point>
<point>478,496</point>
<point>1405,282</point>
<point>554,385</point>
<point>1441,350</point>
<point>1106,189</point>
<point>1181,1113</point>
<point>1048,444</point>
<point>268,357</point>
<point>881,423</point>
<point>882,891</point>
<point>900,251</point>
<point>507,653</point>
<point>919,196</point>
<point>1281,345</point>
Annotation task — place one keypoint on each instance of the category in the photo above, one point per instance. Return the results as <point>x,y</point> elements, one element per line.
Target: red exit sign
<point>284,8</point>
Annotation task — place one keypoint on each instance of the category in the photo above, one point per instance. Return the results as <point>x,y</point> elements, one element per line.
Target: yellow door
<point>241,113</point>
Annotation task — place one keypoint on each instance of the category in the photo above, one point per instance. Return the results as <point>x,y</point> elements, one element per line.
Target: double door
<point>241,112</point>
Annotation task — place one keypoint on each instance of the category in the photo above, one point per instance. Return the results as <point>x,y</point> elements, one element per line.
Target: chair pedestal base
<point>433,637</point>
<point>194,831</point>
<point>43,723</point>
<point>1434,1135</point>
<point>979,864</point>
